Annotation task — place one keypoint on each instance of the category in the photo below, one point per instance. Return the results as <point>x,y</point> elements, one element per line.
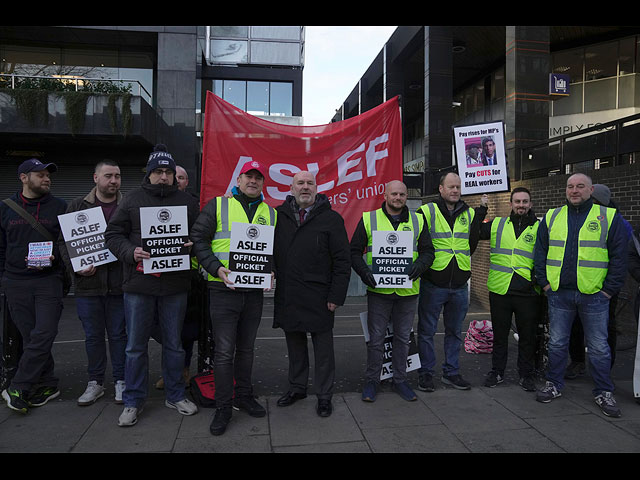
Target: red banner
<point>352,159</point>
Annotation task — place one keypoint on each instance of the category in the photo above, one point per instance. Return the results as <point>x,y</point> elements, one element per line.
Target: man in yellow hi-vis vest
<point>395,306</point>
<point>512,288</point>
<point>235,311</point>
<point>455,230</point>
<point>580,262</point>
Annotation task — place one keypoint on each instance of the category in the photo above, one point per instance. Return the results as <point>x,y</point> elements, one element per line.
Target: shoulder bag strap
<point>29,218</point>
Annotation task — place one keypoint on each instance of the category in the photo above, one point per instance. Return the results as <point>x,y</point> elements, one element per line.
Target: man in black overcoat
<point>312,267</point>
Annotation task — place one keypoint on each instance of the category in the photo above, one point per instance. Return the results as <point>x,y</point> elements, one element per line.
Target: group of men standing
<point>576,254</point>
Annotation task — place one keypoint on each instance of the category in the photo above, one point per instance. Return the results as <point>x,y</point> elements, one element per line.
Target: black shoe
<point>16,400</point>
<point>456,381</point>
<point>220,420</point>
<point>249,405</point>
<point>42,395</point>
<point>492,379</point>
<point>425,383</point>
<point>324,408</point>
<point>528,383</point>
<point>290,398</point>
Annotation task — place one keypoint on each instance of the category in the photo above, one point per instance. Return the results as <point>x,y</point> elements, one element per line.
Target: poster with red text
<point>480,154</point>
<point>352,159</point>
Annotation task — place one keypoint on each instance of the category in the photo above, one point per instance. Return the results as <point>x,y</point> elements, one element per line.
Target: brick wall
<point>547,193</point>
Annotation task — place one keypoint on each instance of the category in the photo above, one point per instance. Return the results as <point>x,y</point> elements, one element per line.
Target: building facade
<point>568,97</point>
<point>74,95</point>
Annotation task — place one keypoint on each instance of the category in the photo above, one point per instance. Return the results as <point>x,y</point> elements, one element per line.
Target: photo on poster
<point>481,159</point>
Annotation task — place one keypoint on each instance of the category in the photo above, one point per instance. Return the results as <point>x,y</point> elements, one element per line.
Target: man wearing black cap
<point>34,293</point>
<point>235,312</point>
<point>145,294</point>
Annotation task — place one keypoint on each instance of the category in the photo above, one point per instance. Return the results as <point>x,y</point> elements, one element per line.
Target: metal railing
<point>77,81</point>
<point>614,126</point>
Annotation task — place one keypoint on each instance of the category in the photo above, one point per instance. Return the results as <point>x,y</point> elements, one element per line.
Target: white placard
<point>83,232</point>
<point>413,359</point>
<point>251,255</point>
<point>480,154</point>
<point>391,258</point>
<point>164,232</point>
<point>39,254</point>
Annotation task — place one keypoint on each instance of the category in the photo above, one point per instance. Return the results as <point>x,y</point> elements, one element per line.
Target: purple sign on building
<point>558,84</point>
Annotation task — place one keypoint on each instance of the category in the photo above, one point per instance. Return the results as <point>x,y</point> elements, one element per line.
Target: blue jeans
<point>594,314</point>
<point>99,314</point>
<point>140,310</point>
<point>432,301</point>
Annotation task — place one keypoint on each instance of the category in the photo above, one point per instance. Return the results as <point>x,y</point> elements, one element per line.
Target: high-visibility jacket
<point>509,254</point>
<point>448,243</point>
<point>229,210</point>
<point>377,220</point>
<point>593,255</point>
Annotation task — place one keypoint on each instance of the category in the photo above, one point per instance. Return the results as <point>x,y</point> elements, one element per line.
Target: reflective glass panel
<point>235,93</point>
<point>230,31</point>
<point>601,61</point>
<point>569,63</point>
<point>229,51</point>
<point>276,33</point>
<point>258,98</point>
<point>281,102</point>
<point>275,53</point>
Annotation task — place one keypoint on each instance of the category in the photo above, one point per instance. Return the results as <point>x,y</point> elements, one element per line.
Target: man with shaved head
<point>579,261</point>
<point>313,267</point>
<point>388,305</point>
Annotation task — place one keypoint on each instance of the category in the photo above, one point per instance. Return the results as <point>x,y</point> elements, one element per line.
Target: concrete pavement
<point>501,419</point>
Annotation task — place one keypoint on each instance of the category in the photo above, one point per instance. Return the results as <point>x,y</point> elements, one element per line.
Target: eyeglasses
<point>162,171</point>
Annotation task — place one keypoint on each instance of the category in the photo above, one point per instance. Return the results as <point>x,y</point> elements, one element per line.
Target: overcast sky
<point>335,59</point>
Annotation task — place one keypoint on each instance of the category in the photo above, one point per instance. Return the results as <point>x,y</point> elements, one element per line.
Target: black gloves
<point>369,280</point>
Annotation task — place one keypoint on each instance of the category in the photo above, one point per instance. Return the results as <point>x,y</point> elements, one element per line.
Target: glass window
<point>233,32</point>
<point>571,104</point>
<point>627,55</point>
<point>628,86</point>
<point>497,84</point>
<point>258,98</point>
<point>229,51</point>
<point>275,53</point>
<point>601,61</point>
<point>235,93</point>
<point>600,95</point>
<point>569,63</point>
<point>281,102</point>
<point>276,33</point>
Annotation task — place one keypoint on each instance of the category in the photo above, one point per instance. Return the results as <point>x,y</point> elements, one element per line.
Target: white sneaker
<point>120,386</point>
<point>93,392</point>
<point>185,407</point>
<point>129,416</point>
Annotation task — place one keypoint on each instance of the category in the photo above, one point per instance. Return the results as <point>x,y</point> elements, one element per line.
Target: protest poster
<point>39,254</point>
<point>480,155</point>
<point>413,358</point>
<point>251,255</point>
<point>164,231</point>
<point>83,233</point>
<point>391,258</point>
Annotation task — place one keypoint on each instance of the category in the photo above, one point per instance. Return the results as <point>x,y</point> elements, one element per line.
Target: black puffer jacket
<point>123,235</point>
<point>108,277</point>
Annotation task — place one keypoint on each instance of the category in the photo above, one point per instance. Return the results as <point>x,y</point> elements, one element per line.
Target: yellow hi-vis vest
<point>447,243</point>
<point>376,220</point>
<point>229,210</point>
<point>509,254</point>
<point>593,255</point>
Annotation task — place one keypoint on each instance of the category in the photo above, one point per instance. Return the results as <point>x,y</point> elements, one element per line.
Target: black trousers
<point>35,306</point>
<point>324,366</point>
<point>527,310</point>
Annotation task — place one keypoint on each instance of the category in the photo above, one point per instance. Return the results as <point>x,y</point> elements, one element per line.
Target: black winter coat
<point>108,277</point>
<point>123,235</point>
<point>312,266</point>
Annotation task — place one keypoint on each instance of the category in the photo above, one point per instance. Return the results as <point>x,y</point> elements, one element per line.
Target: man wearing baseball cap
<point>235,312</point>
<point>34,293</point>
<point>148,294</point>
